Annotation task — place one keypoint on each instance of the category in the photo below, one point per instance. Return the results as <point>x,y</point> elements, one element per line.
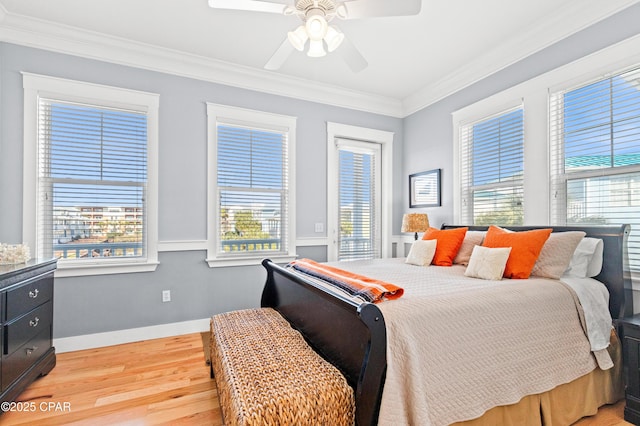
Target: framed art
<point>424,189</point>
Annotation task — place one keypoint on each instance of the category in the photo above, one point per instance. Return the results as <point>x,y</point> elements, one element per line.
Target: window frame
<point>262,120</point>
<point>36,86</point>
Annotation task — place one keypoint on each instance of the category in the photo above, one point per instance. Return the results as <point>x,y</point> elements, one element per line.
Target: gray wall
<point>87,305</point>
<point>428,133</point>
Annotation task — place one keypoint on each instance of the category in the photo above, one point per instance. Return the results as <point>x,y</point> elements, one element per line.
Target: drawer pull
<point>34,322</point>
<point>34,293</point>
<point>31,350</point>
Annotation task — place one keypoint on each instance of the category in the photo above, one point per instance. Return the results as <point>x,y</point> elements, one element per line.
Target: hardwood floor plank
<point>154,382</point>
<point>210,396</point>
<point>212,418</point>
<point>608,415</point>
<point>147,388</point>
<point>125,417</point>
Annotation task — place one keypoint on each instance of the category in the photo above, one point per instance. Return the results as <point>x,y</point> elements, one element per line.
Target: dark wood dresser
<point>630,330</point>
<point>26,316</point>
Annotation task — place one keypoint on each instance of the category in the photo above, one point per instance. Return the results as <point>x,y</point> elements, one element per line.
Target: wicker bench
<point>267,374</point>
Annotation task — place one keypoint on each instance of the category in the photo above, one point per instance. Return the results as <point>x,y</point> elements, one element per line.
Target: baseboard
<point>110,338</point>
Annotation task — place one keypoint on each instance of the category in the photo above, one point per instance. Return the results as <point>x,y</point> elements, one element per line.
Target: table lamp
<point>415,222</point>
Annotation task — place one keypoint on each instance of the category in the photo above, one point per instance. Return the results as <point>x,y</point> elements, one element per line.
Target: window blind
<point>359,200</point>
<point>595,155</point>
<point>92,181</point>
<point>491,169</point>
<point>253,181</point>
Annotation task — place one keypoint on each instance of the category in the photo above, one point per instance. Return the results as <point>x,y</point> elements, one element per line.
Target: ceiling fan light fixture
<point>316,49</point>
<point>316,24</point>
<point>333,38</point>
<point>298,37</point>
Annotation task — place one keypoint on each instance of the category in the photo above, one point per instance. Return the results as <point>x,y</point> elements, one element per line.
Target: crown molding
<point>41,34</point>
<point>574,16</point>
<point>27,31</point>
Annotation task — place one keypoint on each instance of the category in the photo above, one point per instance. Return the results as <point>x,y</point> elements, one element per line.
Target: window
<point>581,143</point>
<point>491,165</point>
<point>251,170</point>
<point>595,155</point>
<point>90,154</point>
<point>359,195</point>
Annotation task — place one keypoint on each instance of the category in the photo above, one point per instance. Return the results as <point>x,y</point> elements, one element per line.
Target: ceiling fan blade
<point>281,55</point>
<point>352,56</point>
<point>357,9</point>
<point>271,6</point>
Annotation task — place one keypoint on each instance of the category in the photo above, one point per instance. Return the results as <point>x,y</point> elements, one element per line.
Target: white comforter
<point>458,346</point>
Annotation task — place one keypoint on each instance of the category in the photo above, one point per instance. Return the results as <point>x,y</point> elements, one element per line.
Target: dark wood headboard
<point>615,265</point>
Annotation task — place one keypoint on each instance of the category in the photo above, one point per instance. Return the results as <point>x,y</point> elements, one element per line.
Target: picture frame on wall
<point>424,189</point>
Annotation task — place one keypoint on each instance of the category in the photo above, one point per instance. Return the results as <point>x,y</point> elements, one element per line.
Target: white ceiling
<point>413,61</point>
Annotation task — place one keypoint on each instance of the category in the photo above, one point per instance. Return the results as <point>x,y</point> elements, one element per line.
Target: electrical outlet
<point>166,296</point>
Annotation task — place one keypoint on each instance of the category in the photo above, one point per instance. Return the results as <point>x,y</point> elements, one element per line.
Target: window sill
<point>71,270</point>
<point>247,261</point>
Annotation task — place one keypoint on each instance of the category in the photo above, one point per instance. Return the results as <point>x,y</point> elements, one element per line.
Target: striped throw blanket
<point>368,289</point>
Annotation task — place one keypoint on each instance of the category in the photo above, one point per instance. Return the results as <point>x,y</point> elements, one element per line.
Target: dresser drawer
<point>21,330</point>
<point>25,356</point>
<point>34,292</point>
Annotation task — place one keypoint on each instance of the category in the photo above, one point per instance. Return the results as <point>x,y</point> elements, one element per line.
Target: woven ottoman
<point>267,374</point>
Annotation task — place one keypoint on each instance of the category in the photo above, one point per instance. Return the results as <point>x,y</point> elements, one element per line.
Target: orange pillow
<point>525,248</point>
<point>449,242</point>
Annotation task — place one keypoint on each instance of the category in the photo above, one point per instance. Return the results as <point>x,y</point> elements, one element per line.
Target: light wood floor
<point>155,382</point>
<point>162,381</point>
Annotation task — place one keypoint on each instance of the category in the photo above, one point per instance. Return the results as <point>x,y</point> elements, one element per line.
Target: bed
<point>317,312</point>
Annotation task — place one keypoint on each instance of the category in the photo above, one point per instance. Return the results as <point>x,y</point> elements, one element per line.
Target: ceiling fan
<point>316,16</point>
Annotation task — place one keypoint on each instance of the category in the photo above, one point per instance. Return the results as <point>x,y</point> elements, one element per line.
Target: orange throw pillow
<point>525,248</point>
<point>449,242</point>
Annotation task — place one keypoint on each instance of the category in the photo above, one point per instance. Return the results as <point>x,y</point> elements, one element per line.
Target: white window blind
<point>595,155</point>
<point>92,171</point>
<point>491,169</point>
<point>253,190</point>
<point>359,200</point>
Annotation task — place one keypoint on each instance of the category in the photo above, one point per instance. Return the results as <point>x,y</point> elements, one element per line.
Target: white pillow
<point>587,258</point>
<point>556,254</point>
<point>422,252</point>
<point>471,239</point>
<point>488,263</point>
